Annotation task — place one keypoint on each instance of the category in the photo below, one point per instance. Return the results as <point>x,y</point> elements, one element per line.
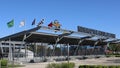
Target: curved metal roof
<point>47,38</point>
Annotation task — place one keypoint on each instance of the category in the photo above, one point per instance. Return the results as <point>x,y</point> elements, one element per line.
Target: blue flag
<point>33,23</point>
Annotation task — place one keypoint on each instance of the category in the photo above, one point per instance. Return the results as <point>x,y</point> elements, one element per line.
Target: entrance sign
<point>95,32</point>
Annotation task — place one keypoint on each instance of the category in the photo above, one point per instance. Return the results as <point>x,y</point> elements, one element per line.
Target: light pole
<point>68,54</point>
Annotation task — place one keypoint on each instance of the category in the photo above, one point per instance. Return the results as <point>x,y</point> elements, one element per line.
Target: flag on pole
<point>56,24</point>
<point>10,24</point>
<point>41,22</point>
<point>33,23</point>
<point>22,23</point>
<point>50,24</point>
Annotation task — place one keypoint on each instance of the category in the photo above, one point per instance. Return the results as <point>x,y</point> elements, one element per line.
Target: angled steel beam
<point>20,33</point>
<point>112,41</point>
<point>97,41</point>
<point>81,40</point>
<point>58,39</point>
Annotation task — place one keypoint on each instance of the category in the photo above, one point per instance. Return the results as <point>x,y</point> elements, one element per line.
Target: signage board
<point>95,32</point>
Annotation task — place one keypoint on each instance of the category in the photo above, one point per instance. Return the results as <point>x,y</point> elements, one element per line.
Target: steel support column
<point>78,46</point>
<point>68,53</point>
<point>1,47</point>
<point>81,40</point>
<point>58,39</point>
<point>95,46</point>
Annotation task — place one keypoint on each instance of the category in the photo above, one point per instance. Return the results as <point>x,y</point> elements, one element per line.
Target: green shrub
<point>53,65</point>
<point>72,65</point>
<point>113,55</point>
<point>86,66</point>
<point>105,66</point>
<point>62,65</point>
<point>3,67</point>
<point>66,65</point>
<point>117,55</point>
<point>4,62</point>
<point>117,66</point>
<point>112,66</point>
<point>98,66</point>
<point>82,66</point>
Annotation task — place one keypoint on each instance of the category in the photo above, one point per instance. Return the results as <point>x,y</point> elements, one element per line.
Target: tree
<point>114,47</point>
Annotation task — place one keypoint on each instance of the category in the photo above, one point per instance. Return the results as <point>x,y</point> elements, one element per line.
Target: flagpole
<point>13,30</point>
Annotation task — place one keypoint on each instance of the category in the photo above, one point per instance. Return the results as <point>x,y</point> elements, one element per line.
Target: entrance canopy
<point>32,36</point>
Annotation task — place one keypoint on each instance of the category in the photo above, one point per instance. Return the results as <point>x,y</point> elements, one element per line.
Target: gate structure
<point>65,39</point>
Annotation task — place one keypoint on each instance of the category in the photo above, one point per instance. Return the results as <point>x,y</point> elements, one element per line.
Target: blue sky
<point>102,15</point>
